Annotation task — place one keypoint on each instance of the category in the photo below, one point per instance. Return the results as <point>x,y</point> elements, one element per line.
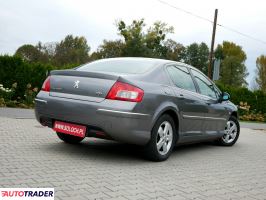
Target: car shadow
<point>111,150</point>
<point>96,148</point>
<point>192,147</point>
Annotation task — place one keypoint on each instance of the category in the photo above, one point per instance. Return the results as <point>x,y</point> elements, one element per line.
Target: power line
<point>243,34</point>
<point>185,11</point>
<point>205,19</point>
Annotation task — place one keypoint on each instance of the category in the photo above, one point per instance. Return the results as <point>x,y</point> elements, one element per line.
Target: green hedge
<point>256,99</point>
<point>14,69</point>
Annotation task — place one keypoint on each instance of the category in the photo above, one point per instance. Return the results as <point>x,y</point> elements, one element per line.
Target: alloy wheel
<point>230,132</point>
<point>164,138</point>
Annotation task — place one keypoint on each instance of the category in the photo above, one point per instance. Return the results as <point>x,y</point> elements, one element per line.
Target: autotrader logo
<point>27,193</point>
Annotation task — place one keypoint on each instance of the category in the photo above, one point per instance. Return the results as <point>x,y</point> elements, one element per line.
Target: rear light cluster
<point>46,85</point>
<point>125,92</point>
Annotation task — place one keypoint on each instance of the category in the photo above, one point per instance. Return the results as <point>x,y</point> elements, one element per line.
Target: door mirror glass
<point>225,96</point>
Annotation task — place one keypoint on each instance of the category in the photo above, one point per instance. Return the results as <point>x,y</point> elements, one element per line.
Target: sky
<point>30,21</point>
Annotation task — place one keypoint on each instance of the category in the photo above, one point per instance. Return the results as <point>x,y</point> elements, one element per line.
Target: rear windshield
<point>119,66</point>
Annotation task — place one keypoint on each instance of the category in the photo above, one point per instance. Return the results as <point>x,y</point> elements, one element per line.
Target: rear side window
<point>129,66</point>
<point>181,77</point>
<point>206,87</point>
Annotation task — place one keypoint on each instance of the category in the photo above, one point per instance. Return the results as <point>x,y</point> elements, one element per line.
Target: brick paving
<point>33,156</point>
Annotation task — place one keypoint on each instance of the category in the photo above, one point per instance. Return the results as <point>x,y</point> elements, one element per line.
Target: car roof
<point>137,59</point>
<point>157,61</point>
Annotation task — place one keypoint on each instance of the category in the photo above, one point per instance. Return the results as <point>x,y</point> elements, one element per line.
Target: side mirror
<point>225,96</point>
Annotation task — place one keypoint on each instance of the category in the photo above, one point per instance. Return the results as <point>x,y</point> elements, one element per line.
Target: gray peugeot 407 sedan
<point>149,102</point>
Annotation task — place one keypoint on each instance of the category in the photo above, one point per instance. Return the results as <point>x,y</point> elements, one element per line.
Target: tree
<point>71,50</point>
<point>47,49</point>
<point>175,51</point>
<point>197,56</point>
<point>109,49</point>
<point>31,53</point>
<point>144,43</point>
<point>155,39</point>
<point>261,72</point>
<point>133,37</point>
<point>233,70</point>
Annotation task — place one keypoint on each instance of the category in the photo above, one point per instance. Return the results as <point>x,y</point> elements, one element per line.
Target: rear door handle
<point>181,96</point>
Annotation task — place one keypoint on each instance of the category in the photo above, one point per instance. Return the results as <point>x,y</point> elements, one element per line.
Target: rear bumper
<point>117,119</point>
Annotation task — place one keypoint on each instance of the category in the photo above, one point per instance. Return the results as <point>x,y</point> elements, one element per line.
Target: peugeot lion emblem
<point>76,84</point>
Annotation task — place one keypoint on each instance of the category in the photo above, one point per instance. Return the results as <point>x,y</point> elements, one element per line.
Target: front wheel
<point>69,138</point>
<point>163,139</point>
<point>232,131</point>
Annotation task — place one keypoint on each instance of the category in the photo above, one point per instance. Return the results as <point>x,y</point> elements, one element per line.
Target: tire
<point>160,151</point>
<point>230,137</point>
<point>69,138</point>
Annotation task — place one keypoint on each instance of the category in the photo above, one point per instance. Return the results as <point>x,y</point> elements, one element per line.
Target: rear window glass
<point>119,66</point>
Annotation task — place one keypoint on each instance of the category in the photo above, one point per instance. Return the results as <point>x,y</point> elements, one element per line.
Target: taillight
<point>125,92</point>
<point>46,85</point>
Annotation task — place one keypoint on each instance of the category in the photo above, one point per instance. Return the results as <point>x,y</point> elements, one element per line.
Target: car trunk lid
<point>81,85</point>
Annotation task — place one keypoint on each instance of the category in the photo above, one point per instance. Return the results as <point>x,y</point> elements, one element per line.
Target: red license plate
<point>71,129</point>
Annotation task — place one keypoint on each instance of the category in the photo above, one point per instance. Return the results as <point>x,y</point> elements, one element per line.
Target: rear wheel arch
<point>174,116</point>
<point>172,112</point>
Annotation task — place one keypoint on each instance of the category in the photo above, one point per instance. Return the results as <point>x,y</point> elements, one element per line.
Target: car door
<point>215,118</point>
<point>192,109</point>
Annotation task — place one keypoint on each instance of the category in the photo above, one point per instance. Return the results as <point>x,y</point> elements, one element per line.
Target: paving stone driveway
<point>32,156</point>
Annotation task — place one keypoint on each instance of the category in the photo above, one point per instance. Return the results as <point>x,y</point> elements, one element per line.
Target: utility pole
<point>212,44</point>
